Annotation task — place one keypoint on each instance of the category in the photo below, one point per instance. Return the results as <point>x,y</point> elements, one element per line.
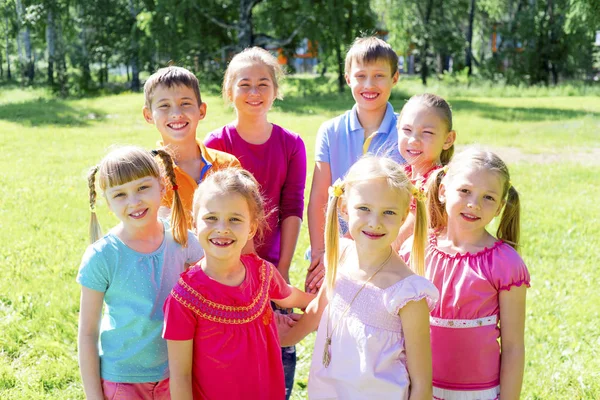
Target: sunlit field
<point>549,138</point>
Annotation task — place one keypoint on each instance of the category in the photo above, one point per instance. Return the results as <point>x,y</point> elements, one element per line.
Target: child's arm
<point>290,230</point>
<point>317,206</point>
<point>308,323</point>
<point>180,368</point>
<point>297,299</point>
<point>512,324</point>
<point>415,325</point>
<point>90,313</point>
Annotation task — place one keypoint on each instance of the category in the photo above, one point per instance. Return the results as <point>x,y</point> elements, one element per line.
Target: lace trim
<point>433,243</point>
<point>463,323</point>
<point>516,284</point>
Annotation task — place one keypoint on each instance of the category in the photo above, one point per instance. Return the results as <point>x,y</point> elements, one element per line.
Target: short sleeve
<point>509,269</point>
<point>194,251</point>
<point>322,144</point>
<point>278,288</point>
<point>291,203</point>
<point>412,288</point>
<point>214,141</point>
<point>180,321</point>
<point>93,270</point>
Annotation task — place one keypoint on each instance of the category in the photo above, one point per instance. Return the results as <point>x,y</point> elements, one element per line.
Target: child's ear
<point>253,230</point>
<point>202,110</point>
<point>147,113</point>
<point>450,138</point>
<point>347,77</point>
<point>442,193</point>
<point>343,209</point>
<point>395,78</point>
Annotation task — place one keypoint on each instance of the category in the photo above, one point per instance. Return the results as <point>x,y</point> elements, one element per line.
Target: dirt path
<point>513,155</point>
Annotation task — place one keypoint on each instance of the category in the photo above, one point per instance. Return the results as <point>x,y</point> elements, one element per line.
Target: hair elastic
<point>337,189</point>
<point>175,187</point>
<point>510,184</point>
<point>445,169</point>
<point>93,209</point>
<point>418,193</point>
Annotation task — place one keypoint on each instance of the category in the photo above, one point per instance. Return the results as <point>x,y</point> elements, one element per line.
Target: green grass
<point>48,144</point>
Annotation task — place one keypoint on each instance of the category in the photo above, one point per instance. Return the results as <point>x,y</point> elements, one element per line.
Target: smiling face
<point>253,90</point>
<point>175,112</point>
<point>371,84</point>
<point>223,225</point>
<point>422,135</point>
<point>136,203</point>
<point>375,213</point>
<point>473,198</point>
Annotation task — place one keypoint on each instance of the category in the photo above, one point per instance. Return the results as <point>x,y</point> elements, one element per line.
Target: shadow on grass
<point>526,114</point>
<point>48,112</point>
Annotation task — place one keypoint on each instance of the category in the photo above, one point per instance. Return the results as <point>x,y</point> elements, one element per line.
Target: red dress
<point>236,347</point>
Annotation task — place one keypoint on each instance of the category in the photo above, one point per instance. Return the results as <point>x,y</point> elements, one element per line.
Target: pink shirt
<point>464,323</point>
<point>236,347</point>
<point>279,166</point>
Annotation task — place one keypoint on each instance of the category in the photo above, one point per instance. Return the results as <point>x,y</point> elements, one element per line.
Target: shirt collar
<point>387,124</point>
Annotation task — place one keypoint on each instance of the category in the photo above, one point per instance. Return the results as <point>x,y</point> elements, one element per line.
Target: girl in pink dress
<point>220,329</point>
<point>481,278</point>
<point>426,142</point>
<point>373,335</point>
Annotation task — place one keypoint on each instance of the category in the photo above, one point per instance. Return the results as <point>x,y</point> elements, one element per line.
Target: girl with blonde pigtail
<point>373,335</point>
<point>130,270</point>
<point>481,278</point>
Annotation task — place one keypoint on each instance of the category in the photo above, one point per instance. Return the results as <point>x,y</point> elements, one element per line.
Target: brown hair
<point>445,112</point>
<point>169,77</point>
<point>509,227</point>
<point>127,164</point>
<point>366,50</point>
<point>235,180</point>
<point>250,56</point>
<point>369,168</point>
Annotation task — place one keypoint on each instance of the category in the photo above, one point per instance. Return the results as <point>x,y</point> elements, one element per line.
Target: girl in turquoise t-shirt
<point>131,270</point>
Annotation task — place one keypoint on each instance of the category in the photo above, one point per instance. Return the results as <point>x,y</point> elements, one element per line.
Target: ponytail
<point>178,220</point>
<point>95,231</point>
<point>509,229</point>
<point>417,254</point>
<point>437,211</point>
<point>446,155</point>
<point>332,238</point>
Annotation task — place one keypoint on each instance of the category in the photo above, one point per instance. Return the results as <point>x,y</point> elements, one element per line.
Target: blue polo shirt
<point>340,141</point>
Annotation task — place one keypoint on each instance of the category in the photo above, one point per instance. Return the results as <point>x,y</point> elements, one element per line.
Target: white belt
<point>463,323</point>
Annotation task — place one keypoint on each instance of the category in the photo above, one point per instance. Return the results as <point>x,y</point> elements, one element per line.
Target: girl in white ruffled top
<point>373,335</point>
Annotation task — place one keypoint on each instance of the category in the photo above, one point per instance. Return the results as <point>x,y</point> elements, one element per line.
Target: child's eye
<point>235,219</point>
<point>118,195</point>
<point>210,218</point>
<point>489,198</point>
<point>429,132</point>
<point>463,190</point>
<point>362,208</point>
<point>389,212</point>
<point>163,106</point>
<point>144,187</point>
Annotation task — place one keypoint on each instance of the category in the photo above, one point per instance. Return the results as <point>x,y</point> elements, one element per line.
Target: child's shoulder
<point>340,123</point>
<point>217,157</point>
<point>410,289</point>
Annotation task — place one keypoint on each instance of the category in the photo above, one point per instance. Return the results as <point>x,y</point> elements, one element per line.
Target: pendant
<point>327,352</point>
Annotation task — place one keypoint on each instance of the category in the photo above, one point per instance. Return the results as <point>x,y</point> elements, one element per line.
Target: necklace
<point>327,349</point>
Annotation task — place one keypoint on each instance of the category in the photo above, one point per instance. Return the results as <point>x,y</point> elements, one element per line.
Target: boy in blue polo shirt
<point>371,72</point>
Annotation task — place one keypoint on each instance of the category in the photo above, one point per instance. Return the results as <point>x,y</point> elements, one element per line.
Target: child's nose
<point>175,112</point>
<point>473,203</point>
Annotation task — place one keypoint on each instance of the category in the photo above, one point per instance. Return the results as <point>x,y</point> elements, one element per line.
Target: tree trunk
<point>425,48</point>
<point>8,74</point>
<point>27,60</point>
<point>245,29</point>
<point>469,58</point>
<point>135,71</point>
<point>340,65</point>
<point>50,41</point>
<point>86,76</point>
<point>61,64</point>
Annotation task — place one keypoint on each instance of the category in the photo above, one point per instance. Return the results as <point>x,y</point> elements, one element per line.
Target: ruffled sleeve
<point>508,269</point>
<point>412,288</point>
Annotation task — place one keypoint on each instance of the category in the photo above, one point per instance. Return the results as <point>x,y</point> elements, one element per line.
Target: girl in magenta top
<point>275,156</point>
<point>482,281</point>
<point>220,329</point>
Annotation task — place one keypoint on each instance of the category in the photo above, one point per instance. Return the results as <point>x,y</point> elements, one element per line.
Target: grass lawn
<point>551,142</point>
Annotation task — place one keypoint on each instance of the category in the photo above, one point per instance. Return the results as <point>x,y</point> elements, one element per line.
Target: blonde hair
<point>366,169</point>
<point>252,56</point>
<point>127,164</point>
<point>468,160</point>
<point>430,100</point>
<point>169,77</point>
<point>235,180</point>
<point>366,50</point>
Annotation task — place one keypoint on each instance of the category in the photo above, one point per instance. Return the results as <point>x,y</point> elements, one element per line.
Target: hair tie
<point>154,153</point>
<point>445,169</point>
<point>175,187</point>
<point>418,193</point>
<point>510,184</point>
<point>93,209</point>
<point>337,189</point>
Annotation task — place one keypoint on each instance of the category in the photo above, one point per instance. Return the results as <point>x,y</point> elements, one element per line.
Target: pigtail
<point>509,229</point>
<point>332,240</point>
<point>95,231</point>
<point>436,209</point>
<point>178,220</point>
<point>417,254</point>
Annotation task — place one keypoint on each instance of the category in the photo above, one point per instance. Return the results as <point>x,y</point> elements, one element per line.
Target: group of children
<point>405,285</point>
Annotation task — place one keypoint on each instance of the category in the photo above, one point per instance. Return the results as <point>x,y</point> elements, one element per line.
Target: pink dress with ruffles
<point>236,346</point>
<point>464,323</point>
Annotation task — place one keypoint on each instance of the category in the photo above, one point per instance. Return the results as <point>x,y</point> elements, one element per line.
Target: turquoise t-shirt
<point>135,287</point>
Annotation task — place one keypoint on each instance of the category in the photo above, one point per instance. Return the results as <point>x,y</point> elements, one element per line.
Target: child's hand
<point>285,322</point>
<point>315,274</point>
